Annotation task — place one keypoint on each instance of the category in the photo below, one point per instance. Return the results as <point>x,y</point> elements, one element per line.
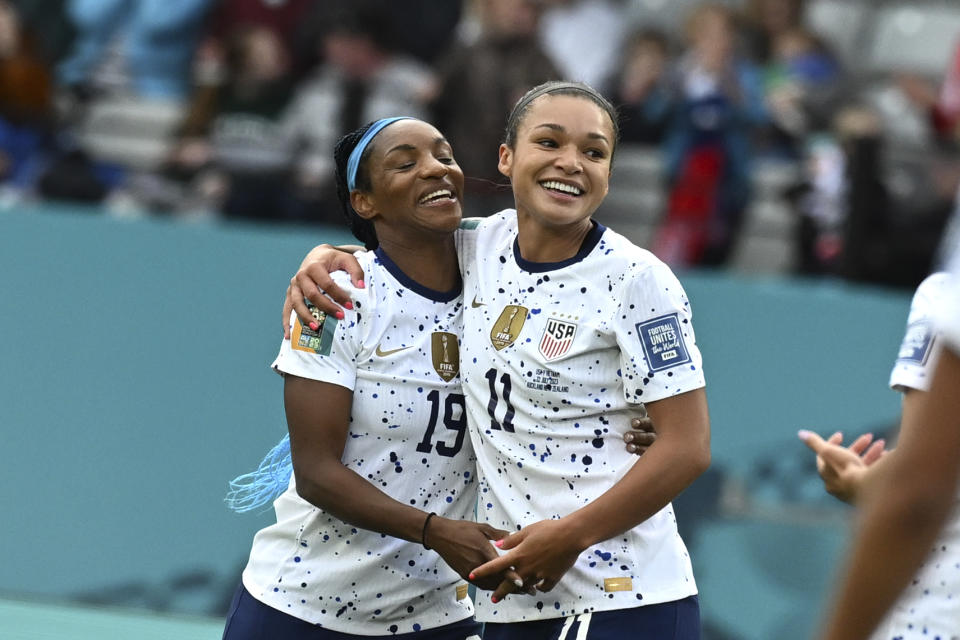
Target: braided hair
<point>559,88</point>
<point>361,228</point>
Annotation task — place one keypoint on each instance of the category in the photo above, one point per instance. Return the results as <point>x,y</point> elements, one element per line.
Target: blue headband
<point>354,160</point>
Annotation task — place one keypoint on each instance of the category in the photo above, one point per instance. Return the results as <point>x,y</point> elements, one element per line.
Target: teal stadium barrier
<point>135,384</point>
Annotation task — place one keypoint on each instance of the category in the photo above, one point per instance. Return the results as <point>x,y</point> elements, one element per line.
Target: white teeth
<point>560,186</point>
<point>440,193</point>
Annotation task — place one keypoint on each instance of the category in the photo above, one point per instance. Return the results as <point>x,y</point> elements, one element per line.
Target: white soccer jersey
<point>919,350</point>
<point>947,313</point>
<point>399,352</point>
<point>555,361</point>
<point>930,606</point>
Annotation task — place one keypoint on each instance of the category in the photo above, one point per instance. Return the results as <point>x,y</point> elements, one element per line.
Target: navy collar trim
<point>589,242</point>
<point>413,285</point>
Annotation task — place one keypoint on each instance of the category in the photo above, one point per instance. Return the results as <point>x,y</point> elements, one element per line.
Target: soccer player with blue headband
<point>569,329</point>
<point>371,536</point>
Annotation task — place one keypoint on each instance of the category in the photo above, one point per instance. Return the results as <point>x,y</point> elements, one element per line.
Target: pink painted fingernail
<point>338,315</point>
<point>348,305</point>
<point>361,284</point>
<point>471,576</point>
<point>494,599</point>
<point>498,543</point>
<point>803,434</point>
<point>314,326</point>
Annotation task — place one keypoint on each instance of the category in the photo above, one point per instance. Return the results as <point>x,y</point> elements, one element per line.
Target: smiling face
<point>416,184</point>
<point>560,162</point>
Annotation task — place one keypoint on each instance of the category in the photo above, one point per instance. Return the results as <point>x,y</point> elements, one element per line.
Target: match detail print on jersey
<point>662,342</point>
<point>508,326</point>
<point>917,343</point>
<point>319,341</point>
<point>557,337</point>
<point>446,354</point>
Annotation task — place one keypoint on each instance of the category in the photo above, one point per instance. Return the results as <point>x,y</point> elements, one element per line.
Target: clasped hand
<point>463,545</point>
<point>540,554</point>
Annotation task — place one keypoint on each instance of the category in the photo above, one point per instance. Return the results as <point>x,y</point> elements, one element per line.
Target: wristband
<point>423,535</point>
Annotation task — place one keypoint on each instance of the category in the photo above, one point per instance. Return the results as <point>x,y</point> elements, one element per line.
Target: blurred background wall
<point>165,166</point>
<point>135,384</point>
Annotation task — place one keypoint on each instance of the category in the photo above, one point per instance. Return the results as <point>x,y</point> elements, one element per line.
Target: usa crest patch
<point>662,342</point>
<point>557,337</point>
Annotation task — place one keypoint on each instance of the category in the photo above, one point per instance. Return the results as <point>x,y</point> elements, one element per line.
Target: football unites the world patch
<point>303,338</point>
<point>917,343</point>
<point>662,342</point>
<point>557,337</point>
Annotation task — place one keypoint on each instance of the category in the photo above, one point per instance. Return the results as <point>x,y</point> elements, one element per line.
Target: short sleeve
<point>328,354</point>
<point>920,347</point>
<point>946,315</point>
<point>659,353</point>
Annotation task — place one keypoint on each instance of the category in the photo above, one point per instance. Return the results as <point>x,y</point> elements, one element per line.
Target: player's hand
<point>640,436</point>
<point>463,545</point>
<point>314,283</point>
<point>541,553</point>
<point>842,468</point>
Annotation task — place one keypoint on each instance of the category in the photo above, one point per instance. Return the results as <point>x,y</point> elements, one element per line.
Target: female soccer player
<point>569,325</point>
<point>383,470</point>
<point>929,606</point>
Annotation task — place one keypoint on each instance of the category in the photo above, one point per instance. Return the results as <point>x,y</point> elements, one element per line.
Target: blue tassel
<point>261,487</point>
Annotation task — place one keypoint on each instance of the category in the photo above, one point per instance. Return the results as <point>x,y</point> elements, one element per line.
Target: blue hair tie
<point>353,162</point>
<point>259,488</point>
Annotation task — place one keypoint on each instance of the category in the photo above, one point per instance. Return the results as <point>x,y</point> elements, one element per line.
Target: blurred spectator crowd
<point>817,137</point>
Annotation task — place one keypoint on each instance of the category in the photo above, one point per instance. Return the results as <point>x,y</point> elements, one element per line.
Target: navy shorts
<point>250,619</point>
<point>678,620</point>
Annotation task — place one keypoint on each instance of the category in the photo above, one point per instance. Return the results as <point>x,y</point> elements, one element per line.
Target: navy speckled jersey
<point>399,352</point>
<point>555,360</point>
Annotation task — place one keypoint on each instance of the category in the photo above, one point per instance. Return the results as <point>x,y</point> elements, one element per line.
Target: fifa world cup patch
<point>303,338</point>
<point>446,354</point>
<point>917,344</point>
<point>508,326</point>
<point>662,342</point>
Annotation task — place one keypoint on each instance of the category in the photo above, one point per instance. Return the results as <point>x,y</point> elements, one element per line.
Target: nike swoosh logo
<point>476,304</point>
<point>380,352</point>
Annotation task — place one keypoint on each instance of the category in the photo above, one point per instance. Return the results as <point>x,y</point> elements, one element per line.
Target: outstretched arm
<point>903,509</point>
<point>542,552</point>
<point>844,470</point>
<point>313,282</point>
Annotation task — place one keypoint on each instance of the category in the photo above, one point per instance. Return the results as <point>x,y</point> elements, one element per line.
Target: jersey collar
<point>589,242</point>
<point>413,285</point>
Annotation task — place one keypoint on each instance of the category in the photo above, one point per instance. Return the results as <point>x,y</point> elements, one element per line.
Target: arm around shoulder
<point>313,282</point>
